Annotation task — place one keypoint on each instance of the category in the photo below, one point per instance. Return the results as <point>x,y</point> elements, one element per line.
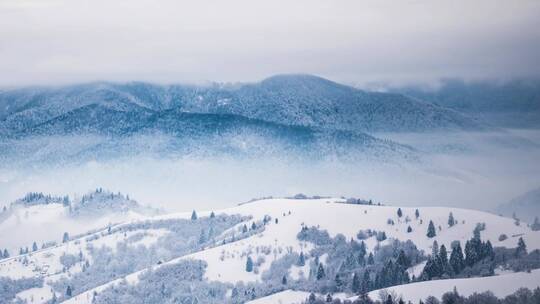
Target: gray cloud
<point>64,41</point>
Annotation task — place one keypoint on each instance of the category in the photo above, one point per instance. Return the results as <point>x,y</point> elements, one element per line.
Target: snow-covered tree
<point>193,215</point>
<point>320,272</point>
<point>451,220</point>
<point>249,264</point>
<point>431,230</point>
<point>399,212</point>
<point>65,237</point>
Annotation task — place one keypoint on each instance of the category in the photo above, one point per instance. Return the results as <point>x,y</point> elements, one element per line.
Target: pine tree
<point>431,230</point>
<point>202,237</point>
<point>329,298</point>
<point>244,228</point>
<point>65,237</point>
<point>389,300</point>
<point>536,225</point>
<point>253,226</point>
<point>320,272</point>
<point>370,259</point>
<point>409,229</point>
<point>6,254</point>
<point>366,283</point>
<point>68,291</point>
<point>193,215</point>
<point>402,260</point>
<point>443,255</point>
<point>339,282</point>
<point>435,249</point>
<point>456,259</point>
<point>284,280</point>
<point>362,250</point>
<point>355,287</point>
<point>249,264</point>
<point>417,213</point>
<point>212,215</point>
<point>451,220</point>
<point>521,249</point>
<point>301,259</point>
<point>399,212</point>
<point>34,247</point>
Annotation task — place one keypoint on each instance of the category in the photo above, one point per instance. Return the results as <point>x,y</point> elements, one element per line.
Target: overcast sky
<point>353,41</point>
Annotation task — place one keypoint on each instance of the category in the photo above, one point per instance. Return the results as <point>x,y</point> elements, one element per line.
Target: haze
<point>67,41</point>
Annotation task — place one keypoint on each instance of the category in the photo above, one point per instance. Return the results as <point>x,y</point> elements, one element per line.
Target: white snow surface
<point>226,263</point>
<point>501,286</point>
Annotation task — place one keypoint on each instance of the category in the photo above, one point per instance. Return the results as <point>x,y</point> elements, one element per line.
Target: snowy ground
<point>501,286</point>
<point>226,263</point>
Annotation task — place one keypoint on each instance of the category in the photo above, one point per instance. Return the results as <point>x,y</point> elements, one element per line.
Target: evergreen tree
<point>431,230</point>
<point>488,250</point>
<point>370,259</point>
<point>34,247</point>
<point>451,220</point>
<point>244,229</point>
<point>249,264</point>
<point>212,215</point>
<point>443,257</point>
<point>301,259</point>
<point>6,254</point>
<point>284,280</point>
<point>456,259</point>
<point>362,250</point>
<point>389,300</point>
<point>435,249</point>
<point>402,260</point>
<point>68,291</point>
<point>417,213</point>
<point>193,215</point>
<point>202,237</point>
<point>329,298</point>
<point>521,249</point>
<point>21,251</point>
<point>399,212</point>
<point>320,272</point>
<point>65,237</point>
<point>253,226</point>
<point>366,283</point>
<point>535,226</point>
<point>339,282</point>
<point>409,229</point>
<point>355,287</point>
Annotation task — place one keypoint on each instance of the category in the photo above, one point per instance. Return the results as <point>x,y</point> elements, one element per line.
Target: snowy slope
<point>505,284</point>
<point>226,263</point>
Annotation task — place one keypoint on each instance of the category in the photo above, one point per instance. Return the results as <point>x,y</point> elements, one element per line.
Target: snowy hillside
<point>226,262</point>
<point>501,285</point>
<point>265,232</point>
<point>27,217</point>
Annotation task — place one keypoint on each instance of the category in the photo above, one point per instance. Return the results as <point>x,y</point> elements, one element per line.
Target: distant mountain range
<point>297,100</point>
<point>508,104</point>
<point>284,114</point>
<point>525,207</point>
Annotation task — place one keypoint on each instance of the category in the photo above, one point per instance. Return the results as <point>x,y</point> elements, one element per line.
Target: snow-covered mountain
<point>303,100</point>
<point>30,214</point>
<point>525,206</point>
<point>207,254</point>
<point>510,104</point>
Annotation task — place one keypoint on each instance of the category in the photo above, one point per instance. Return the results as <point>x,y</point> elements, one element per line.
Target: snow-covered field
<point>501,286</point>
<point>226,263</point>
